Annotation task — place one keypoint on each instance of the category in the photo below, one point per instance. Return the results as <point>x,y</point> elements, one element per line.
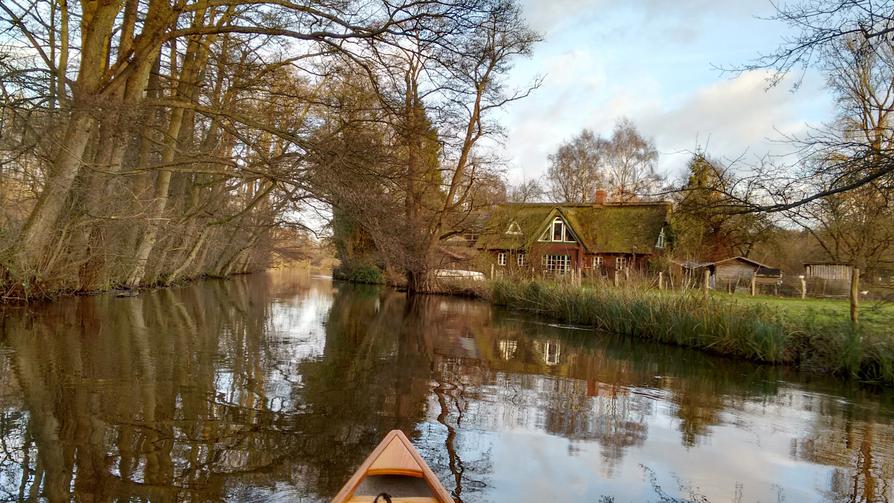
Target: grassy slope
<point>814,335</point>
<point>876,317</point>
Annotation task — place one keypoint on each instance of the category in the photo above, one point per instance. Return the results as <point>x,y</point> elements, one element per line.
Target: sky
<point>655,63</point>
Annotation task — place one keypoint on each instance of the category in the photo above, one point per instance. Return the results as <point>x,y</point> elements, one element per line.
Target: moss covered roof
<point>606,228</point>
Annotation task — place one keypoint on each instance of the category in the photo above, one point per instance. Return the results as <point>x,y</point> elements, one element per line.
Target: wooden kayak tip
<point>395,456</point>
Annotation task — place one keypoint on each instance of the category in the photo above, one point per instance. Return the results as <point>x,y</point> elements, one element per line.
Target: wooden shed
<point>734,272</point>
<point>740,270</point>
<point>829,271</point>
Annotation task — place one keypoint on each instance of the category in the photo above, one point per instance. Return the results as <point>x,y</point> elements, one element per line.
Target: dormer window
<point>514,229</point>
<point>662,240</point>
<point>558,231</point>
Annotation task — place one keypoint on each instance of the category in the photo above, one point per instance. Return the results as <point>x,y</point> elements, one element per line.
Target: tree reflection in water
<point>279,385</point>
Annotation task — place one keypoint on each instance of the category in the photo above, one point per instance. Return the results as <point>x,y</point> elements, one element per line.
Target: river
<point>275,387</point>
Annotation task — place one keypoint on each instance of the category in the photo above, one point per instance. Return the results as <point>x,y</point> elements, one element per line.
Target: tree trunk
<point>195,57</point>
<point>855,294</point>
<point>38,232</point>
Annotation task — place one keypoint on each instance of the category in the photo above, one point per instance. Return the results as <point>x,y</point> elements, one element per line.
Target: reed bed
<point>693,319</point>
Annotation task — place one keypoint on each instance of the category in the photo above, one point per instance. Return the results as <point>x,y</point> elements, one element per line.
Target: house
<point>734,272</point>
<point>560,238</point>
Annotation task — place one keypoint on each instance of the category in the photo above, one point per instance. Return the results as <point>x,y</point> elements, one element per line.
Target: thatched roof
<point>601,228</point>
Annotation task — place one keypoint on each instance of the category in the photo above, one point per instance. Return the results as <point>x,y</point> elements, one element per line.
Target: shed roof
<point>601,228</point>
<point>743,259</point>
<point>759,268</point>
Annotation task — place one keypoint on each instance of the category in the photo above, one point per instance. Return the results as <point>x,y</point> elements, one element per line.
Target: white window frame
<point>501,259</point>
<point>621,263</point>
<point>566,235</point>
<point>662,238</point>
<point>551,353</point>
<point>597,262</point>
<point>508,348</point>
<point>521,259</point>
<point>558,264</point>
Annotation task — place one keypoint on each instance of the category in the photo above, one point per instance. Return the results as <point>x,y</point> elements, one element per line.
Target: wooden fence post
<point>707,281</point>
<point>803,286</point>
<point>753,285</point>
<point>661,281</point>
<point>855,294</point>
<point>616,278</point>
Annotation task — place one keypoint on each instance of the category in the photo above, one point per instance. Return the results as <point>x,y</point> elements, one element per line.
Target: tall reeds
<point>693,319</point>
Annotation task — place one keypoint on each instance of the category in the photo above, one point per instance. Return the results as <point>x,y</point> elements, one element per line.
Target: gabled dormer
<point>558,231</point>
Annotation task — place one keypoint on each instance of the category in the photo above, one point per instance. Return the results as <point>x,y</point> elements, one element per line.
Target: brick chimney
<point>600,196</point>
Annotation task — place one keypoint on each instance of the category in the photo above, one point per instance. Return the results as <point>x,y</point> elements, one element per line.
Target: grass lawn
<point>814,334</point>
<point>876,316</point>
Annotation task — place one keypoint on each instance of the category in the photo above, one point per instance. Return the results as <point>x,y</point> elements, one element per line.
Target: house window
<point>661,240</point>
<point>514,229</point>
<point>501,258</point>
<point>559,264</point>
<point>522,259</point>
<point>559,232</point>
<point>551,353</point>
<point>508,348</point>
<point>620,263</point>
<point>597,262</point>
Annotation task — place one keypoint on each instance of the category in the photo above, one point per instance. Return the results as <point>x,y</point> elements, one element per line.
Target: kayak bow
<point>394,472</point>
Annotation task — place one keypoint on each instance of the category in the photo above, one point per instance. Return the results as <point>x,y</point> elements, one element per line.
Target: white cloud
<point>730,117</point>
<point>548,15</point>
<point>651,61</point>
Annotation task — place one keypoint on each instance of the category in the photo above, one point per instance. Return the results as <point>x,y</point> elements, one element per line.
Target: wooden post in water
<point>855,294</point>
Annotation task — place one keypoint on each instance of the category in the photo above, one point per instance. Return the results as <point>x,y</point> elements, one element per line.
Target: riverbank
<point>35,293</point>
<point>719,324</point>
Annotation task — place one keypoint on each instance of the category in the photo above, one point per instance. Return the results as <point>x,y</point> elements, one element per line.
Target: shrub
<point>359,273</point>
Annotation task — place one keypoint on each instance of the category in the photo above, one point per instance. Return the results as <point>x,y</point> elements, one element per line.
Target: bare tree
<point>843,38</point>
<point>528,191</point>
<point>629,160</point>
<point>152,141</point>
<point>623,165</point>
<point>855,226</point>
<point>575,171</point>
<point>422,178</point>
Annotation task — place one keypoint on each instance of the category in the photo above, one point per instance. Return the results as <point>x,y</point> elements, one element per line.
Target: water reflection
<point>275,387</point>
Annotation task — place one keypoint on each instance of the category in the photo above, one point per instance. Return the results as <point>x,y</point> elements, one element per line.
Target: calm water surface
<point>274,388</point>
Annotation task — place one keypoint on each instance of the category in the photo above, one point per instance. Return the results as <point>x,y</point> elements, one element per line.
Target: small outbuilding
<point>732,273</point>
<point>828,271</point>
<point>828,278</point>
<point>738,271</point>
